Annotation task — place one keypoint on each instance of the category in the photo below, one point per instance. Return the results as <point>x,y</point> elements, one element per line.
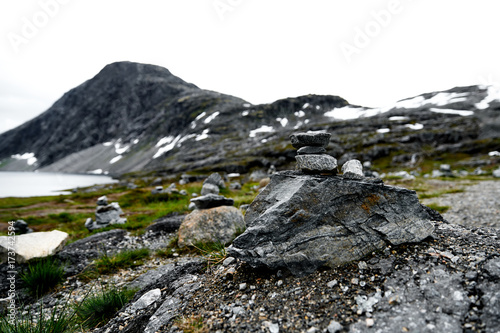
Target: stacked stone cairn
<point>312,157</point>
<point>311,217</point>
<point>215,219</point>
<point>21,227</point>
<point>105,214</point>
<point>210,197</point>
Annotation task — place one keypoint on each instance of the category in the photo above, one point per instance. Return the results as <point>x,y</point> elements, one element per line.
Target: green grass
<point>25,322</point>
<point>126,259</point>
<point>97,310</point>
<point>214,253</point>
<point>439,209</point>
<point>42,276</point>
<point>440,193</point>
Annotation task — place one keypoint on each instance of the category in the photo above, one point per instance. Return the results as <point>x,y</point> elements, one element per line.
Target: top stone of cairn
<point>300,140</point>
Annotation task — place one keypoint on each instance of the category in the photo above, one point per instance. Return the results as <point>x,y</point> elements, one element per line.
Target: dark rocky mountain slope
<point>140,118</point>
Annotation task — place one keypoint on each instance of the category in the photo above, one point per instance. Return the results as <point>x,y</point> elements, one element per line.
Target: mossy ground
<point>68,213</point>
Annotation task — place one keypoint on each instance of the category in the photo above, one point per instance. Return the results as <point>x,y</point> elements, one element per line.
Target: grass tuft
<point>214,253</point>
<point>25,322</point>
<point>42,276</point>
<point>439,209</point>
<point>126,259</point>
<point>97,310</point>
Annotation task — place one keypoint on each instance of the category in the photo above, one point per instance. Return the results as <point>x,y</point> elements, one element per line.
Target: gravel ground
<point>438,277</point>
<point>477,206</point>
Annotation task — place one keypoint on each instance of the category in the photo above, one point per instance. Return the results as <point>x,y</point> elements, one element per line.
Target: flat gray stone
<point>212,200</point>
<point>308,150</point>
<point>300,140</point>
<point>32,245</point>
<point>317,163</point>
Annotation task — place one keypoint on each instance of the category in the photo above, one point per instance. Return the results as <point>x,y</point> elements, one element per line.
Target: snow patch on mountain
<point>211,117</point>
<point>349,112</point>
<point>262,129</point>
<point>463,113</point>
<point>171,144</point>
<point>29,157</point>
<point>493,94</point>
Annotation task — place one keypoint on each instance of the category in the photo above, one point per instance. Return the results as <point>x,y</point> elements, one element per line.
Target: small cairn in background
<point>105,214</point>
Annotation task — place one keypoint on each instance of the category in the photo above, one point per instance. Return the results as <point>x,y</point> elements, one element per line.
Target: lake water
<point>31,184</point>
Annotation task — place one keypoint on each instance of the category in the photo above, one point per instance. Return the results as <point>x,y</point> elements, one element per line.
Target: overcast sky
<point>370,52</point>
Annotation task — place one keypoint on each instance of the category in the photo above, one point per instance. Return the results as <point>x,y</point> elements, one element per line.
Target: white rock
<point>33,245</point>
<point>334,326</point>
<point>496,173</point>
<point>146,300</point>
<point>353,169</point>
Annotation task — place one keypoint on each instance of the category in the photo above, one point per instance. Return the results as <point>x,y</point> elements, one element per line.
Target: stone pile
<point>105,214</point>
<point>302,221</point>
<point>312,156</point>
<point>210,197</point>
<point>21,227</point>
<point>214,219</point>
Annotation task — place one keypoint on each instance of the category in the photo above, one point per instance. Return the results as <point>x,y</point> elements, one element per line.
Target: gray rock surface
<point>301,222</point>
<point>178,282</point>
<point>219,224</point>
<point>317,163</point>
<point>166,224</point>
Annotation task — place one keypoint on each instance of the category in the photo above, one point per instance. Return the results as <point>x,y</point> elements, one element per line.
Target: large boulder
<point>301,222</point>
<point>32,245</point>
<point>219,224</point>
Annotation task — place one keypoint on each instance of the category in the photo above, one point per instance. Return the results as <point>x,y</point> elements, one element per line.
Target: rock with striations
<point>32,245</point>
<point>302,222</point>
<point>219,224</point>
<point>317,163</point>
